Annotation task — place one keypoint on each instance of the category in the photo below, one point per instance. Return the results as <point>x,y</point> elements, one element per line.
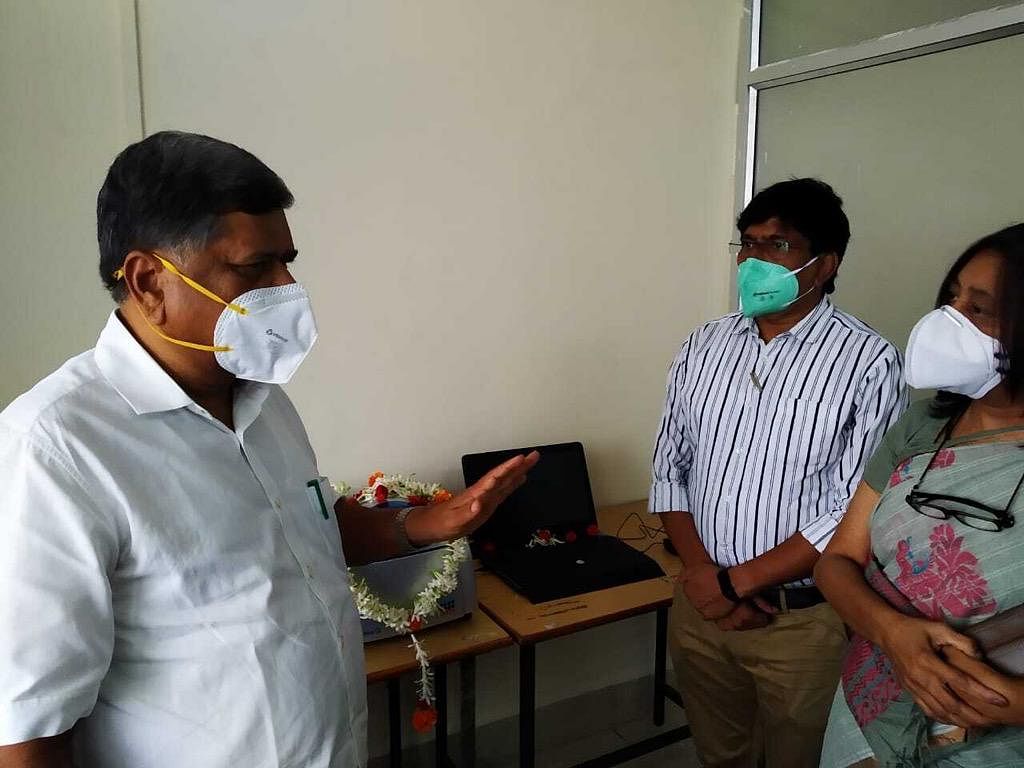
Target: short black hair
<point>1008,243</point>
<point>811,207</point>
<point>167,191</point>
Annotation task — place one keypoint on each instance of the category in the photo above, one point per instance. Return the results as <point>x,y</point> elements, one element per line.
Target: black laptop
<point>555,502</point>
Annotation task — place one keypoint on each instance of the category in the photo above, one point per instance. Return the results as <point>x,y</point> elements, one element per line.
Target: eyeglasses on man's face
<point>769,249</point>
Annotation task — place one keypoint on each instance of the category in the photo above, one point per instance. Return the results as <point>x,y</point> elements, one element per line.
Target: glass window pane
<point>926,153</point>
<point>791,28</point>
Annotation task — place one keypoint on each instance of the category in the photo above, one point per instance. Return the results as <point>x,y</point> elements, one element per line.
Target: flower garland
<point>544,538</point>
<point>384,491</point>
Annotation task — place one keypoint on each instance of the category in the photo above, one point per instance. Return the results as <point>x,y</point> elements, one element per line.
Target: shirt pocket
<point>321,490</point>
<point>806,432</point>
<point>310,508</point>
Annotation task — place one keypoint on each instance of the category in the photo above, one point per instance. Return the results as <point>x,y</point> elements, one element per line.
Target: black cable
<point>646,531</point>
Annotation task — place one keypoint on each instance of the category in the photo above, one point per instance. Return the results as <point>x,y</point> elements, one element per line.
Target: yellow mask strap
<point>192,284</point>
<point>205,291</point>
<point>179,342</point>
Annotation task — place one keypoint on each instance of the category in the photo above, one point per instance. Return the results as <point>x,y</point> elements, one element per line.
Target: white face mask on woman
<point>947,351</point>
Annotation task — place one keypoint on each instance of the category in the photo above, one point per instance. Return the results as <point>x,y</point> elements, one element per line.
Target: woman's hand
<point>917,648</point>
<point>1011,688</point>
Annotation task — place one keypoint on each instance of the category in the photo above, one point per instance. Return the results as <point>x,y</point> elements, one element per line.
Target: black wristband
<point>725,584</point>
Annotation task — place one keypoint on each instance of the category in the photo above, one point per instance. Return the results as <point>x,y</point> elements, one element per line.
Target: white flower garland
<point>382,488</point>
<point>407,620</point>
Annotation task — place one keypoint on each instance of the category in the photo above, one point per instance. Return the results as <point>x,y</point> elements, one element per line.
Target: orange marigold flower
<point>374,477</point>
<point>442,496</point>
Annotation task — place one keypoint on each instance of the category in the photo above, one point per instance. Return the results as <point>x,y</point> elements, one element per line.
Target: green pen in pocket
<point>316,497</point>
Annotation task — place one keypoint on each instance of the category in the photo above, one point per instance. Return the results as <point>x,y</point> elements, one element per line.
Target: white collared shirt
<point>168,583</point>
<point>760,441</point>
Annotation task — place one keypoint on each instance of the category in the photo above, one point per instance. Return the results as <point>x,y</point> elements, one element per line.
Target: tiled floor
<point>568,734</point>
<point>679,755</point>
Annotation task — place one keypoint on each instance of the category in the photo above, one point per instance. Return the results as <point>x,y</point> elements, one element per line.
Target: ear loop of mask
<point>808,292</point>
<point>201,289</point>
<point>796,272</point>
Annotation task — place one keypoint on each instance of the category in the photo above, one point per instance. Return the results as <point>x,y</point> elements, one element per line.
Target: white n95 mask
<point>271,339</point>
<point>263,335</point>
<point>947,351</point>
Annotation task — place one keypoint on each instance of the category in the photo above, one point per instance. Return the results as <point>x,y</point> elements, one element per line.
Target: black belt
<point>793,598</point>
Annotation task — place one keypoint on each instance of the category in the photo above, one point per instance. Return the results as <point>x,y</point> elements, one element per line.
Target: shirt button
<point>277,503</point>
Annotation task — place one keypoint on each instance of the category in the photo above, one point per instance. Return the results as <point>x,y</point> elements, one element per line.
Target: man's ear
<point>142,279</point>
<point>829,268</point>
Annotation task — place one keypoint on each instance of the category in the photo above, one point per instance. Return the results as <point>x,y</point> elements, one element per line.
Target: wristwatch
<point>725,584</point>
<point>401,534</point>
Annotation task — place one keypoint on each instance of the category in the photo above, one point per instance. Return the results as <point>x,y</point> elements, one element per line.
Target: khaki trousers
<point>760,697</point>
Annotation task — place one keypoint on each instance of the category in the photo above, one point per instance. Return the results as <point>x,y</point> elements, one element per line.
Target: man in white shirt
<point>169,595</point>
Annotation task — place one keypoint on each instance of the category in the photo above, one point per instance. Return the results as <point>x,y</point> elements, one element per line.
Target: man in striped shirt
<point>770,416</point>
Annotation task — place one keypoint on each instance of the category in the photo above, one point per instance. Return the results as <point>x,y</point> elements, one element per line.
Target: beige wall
<point>69,96</point>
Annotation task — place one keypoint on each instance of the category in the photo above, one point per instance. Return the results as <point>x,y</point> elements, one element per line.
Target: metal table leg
<point>467,714</point>
<point>395,723</point>
<point>441,729</point>
<point>527,704</point>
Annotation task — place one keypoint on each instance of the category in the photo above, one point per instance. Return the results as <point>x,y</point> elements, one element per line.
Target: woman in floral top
<point>928,545</point>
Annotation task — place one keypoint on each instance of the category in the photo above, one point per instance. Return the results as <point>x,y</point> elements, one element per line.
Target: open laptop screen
<point>556,494</point>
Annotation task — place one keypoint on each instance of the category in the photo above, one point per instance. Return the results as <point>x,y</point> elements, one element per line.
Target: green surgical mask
<point>767,288</point>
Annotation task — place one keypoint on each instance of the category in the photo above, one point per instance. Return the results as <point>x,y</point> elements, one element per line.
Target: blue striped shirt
<point>759,441</point>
